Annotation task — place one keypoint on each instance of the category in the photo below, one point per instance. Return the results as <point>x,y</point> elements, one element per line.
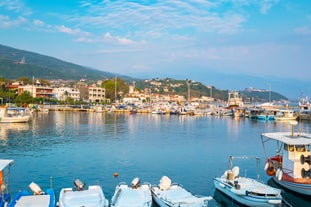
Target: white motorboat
<point>174,195</point>
<point>13,115</point>
<point>4,181</point>
<point>136,195</point>
<point>290,167</point>
<point>34,198</point>
<point>92,196</point>
<point>246,191</point>
<point>285,115</point>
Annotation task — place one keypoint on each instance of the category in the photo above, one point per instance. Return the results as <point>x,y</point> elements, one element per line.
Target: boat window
<point>289,147</point>
<point>300,148</point>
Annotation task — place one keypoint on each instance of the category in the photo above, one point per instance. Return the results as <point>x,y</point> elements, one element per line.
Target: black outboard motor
<point>79,184</point>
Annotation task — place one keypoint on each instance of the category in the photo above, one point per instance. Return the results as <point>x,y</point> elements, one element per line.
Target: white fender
<point>266,165</point>
<point>279,174</point>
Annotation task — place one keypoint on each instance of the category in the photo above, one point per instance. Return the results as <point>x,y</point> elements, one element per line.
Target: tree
<point>24,98</point>
<point>114,88</point>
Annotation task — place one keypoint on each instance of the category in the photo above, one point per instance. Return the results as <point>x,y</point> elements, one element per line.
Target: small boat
<point>4,181</point>
<point>290,167</point>
<point>13,115</point>
<point>285,115</point>
<point>246,191</point>
<point>136,195</point>
<point>93,196</point>
<point>36,198</point>
<point>174,195</point>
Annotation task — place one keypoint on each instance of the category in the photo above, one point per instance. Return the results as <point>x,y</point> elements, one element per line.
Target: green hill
<point>15,63</point>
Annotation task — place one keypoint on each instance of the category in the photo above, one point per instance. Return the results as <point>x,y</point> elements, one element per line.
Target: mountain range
<point>15,63</point>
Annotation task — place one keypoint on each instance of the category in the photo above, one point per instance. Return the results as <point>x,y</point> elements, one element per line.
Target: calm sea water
<point>93,146</point>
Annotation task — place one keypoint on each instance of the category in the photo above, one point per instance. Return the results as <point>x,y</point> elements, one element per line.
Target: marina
<point>67,145</point>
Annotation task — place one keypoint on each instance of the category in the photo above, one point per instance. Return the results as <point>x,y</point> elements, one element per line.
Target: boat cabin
<point>296,160</point>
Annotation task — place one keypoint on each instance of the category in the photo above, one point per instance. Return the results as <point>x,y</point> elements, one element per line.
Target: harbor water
<point>62,146</point>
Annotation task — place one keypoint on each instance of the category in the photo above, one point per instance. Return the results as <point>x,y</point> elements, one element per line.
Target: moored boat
<point>13,115</point>
<point>290,167</point>
<point>246,191</point>
<point>4,181</point>
<point>167,194</point>
<point>136,195</point>
<point>34,198</point>
<point>92,196</point>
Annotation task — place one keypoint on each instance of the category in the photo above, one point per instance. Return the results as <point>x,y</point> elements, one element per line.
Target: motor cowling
<point>35,188</point>
<point>79,184</point>
<point>135,183</point>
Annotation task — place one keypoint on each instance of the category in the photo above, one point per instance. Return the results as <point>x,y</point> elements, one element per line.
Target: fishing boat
<point>290,167</point>
<point>167,194</point>
<point>34,198</point>
<point>245,190</point>
<point>136,195</point>
<point>285,115</point>
<point>5,166</point>
<point>92,196</point>
<point>13,115</point>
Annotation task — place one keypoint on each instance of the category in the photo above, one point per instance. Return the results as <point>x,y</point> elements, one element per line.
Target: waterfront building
<point>96,94</point>
<point>37,91</point>
<point>62,93</point>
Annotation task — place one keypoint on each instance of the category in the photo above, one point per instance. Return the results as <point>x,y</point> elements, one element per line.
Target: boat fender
<point>279,174</point>
<point>305,173</point>
<point>267,165</point>
<point>270,171</point>
<point>135,183</point>
<point>238,192</point>
<point>35,189</point>
<point>306,159</point>
<point>79,184</point>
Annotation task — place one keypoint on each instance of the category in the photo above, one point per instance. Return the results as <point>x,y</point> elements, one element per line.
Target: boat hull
<point>21,119</point>
<point>176,196</point>
<point>132,197</point>
<point>25,199</point>
<point>242,197</point>
<point>93,196</point>
<point>304,189</point>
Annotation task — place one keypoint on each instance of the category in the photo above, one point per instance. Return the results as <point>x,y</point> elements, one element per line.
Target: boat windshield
<point>298,148</point>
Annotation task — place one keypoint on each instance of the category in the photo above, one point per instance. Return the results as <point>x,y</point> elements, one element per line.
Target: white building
<point>96,94</point>
<point>63,92</point>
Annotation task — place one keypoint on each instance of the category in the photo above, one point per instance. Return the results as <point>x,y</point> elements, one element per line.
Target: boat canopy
<point>5,163</point>
<point>287,138</point>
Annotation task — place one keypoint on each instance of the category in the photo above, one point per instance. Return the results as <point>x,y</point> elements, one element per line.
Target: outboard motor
<point>35,189</point>
<point>135,183</point>
<point>79,184</point>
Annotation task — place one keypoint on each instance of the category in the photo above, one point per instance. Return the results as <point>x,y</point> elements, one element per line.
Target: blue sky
<point>195,39</point>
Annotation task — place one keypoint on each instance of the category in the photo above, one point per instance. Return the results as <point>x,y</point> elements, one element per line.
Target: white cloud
<point>6,22</point>
<point>15,6</point>
<point>116,39</point>
<point>266,5</point>
<point>70,31</point>
<point>38,22</point>
<point>304,30</point>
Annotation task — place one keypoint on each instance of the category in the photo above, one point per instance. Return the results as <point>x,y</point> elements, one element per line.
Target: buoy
<point>270,171</point>
<point>115,174</point>
<point>267,165</point>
